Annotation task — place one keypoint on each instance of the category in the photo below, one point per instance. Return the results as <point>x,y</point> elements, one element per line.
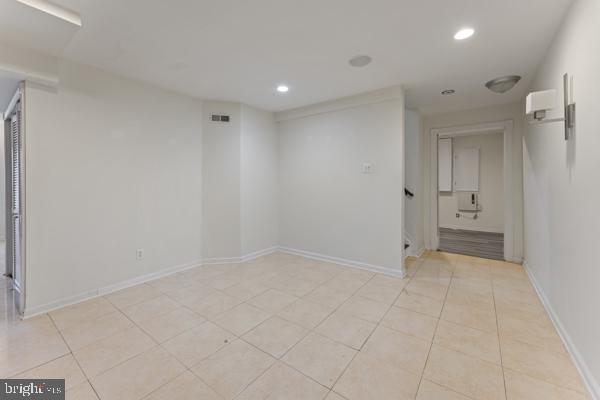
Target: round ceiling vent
<point>360,61</point>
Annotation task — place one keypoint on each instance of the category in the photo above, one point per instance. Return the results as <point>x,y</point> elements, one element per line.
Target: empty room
<point>285,200</point>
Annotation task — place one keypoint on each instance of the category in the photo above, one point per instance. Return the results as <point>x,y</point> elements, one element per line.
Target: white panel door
<point>445,165</point>
<point>466,170</point>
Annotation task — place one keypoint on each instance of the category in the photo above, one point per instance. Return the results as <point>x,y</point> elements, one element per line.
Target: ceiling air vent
<point>219,118</point>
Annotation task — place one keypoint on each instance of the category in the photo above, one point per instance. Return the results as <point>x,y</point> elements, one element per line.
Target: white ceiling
<point>240,50</point>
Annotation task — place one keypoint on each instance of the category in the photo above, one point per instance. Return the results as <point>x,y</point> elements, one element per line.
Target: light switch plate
<point>367,168</point>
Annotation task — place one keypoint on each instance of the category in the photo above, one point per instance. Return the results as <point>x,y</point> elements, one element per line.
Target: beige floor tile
<point>538,332</point>
<point>83,391</point>
<point>104,354</point>
<point>410,322</point>
<point>320,358</point>
<point>432,391</point>
<point>185,387</point>
<point>523,387</point>
<point>273,300</point>
<point>232,368</point>
<point>295,286</point>
<point>246,290</point>
<point>191,294</point>
<point>32,349</point>
<point>305,313</point>
<point>473,342</point>
<point>150,309</point>
<point>195,345</point>
<point>334,396</point>
<point>283,382</point>
<point>82,312</point>
<point>62,368</point>
<point>81,335</point>
<point>211,304</point>
<point>427,288</point>
<point>166,326</point>
<point>398,349</point>
<point>133,295</point>
<point>361,307</point>
<point>382,293</point>
<point>540,363</point>
<point>224,281</point>
<point>472,316</point>
<point>14,330</point>
<point>328,296</point>
<point>241,319</point>
<point>170,283</point>
<point>138,376</point>
<point>418,303</point>
<point>368,378</point>
<point>276,336</point>
<point>346,329</point>
<point>464,374</point>
<point>347,282</point>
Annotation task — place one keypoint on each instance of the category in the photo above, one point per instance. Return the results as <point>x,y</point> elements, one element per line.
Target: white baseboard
<point>415,254</point>
<point>235,260</point>
<point>344,262</point>
<point>588,379</point>
<point>78,298</point>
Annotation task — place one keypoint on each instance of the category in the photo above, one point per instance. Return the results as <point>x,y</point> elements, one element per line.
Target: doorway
<point>13,280</point>
<point>457,198</point>
<point>470,196</point>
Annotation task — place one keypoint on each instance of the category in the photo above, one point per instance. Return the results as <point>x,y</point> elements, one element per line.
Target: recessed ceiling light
<point>464,33</point>
<point>54,9</point>
<point>448,92</point>
<point>360,61</point>
<point>283,89</point>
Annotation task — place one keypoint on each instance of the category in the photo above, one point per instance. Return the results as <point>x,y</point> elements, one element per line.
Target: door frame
<point>507,128</point>
<point>18,286</point>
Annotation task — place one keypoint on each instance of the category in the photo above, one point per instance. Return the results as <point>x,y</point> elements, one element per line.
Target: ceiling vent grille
<point>219,118</point>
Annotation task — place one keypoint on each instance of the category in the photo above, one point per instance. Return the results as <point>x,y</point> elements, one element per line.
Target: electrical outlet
<point>367,168</point>
<point>139,254</point>
<point>457,215</point>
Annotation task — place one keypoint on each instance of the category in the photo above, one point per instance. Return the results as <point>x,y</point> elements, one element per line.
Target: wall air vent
<point>219,118</point>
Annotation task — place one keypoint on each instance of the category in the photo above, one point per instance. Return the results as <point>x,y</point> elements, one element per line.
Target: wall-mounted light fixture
<point>538,103</point>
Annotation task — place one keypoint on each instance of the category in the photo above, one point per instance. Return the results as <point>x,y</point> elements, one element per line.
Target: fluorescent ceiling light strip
<point>54,10</point>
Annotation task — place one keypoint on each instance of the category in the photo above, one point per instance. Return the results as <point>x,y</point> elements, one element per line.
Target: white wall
<point>562,191</point>
<point>327,206</point>
<point>112,166</point>
<point>491,188</point>
<point>259,181</point>
<point>221,182</point>
<point>413,212</point>
<point>512,112</point>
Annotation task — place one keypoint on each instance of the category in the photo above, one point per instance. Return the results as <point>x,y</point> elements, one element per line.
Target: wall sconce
<point>538,103</point>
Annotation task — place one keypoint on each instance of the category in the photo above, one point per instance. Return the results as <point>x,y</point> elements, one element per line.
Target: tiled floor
<point>285,327</point>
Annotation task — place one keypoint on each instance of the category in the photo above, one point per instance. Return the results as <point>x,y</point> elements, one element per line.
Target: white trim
<point>415,254</point>
<point>376,96</point>
<point>475,229</point>
<point>590,382</point>
<point>507,128</point>
<point>347,263</point>
<point>235,260</point>
<point>66,301</point>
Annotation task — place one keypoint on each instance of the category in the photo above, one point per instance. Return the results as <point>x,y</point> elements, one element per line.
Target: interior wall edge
<point>589,381</point>
<point>357,100</point>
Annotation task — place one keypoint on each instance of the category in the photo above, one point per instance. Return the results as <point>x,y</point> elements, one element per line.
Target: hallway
<point>284,326</point>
